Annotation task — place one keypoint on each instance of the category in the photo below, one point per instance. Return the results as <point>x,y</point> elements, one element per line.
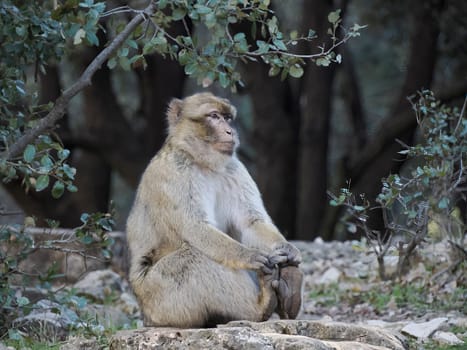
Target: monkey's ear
<point>174,112</point>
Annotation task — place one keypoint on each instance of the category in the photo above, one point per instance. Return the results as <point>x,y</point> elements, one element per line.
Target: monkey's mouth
<point>226,147</point>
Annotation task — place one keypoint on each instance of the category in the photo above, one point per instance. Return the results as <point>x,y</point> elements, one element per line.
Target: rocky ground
<point>341,285</point>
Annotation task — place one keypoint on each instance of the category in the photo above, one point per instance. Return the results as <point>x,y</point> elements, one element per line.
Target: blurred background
<point>335,127</point>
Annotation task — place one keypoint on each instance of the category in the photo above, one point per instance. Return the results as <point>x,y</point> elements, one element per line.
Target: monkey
<point>203,250</point>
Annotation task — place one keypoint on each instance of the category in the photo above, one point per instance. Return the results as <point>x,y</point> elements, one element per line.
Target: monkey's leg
<point>289,291</point>
<point>187,289</point>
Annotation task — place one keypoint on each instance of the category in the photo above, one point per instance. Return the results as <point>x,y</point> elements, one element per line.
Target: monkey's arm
<point>257,228</point>
<point>221,248</point>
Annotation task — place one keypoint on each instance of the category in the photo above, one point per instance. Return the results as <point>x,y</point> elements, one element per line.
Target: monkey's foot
<point>288,289</point>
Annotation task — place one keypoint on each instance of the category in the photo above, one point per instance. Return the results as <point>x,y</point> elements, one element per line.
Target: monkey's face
<point>220,132</point>
<point>206,118</point>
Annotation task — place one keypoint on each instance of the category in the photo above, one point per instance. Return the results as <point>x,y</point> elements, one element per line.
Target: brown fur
<point>198,233</point>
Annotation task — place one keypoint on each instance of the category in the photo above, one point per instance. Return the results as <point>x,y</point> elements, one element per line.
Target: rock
<point>395,326</point>
<point>447,338</point>
<point>81,344</point>
<point>71,265</point>
<point>100,284</point>
<point>107,316</point>
<point>331,275</point>
<point>4,347</point>
<point>460,322</point>
<point>277,334</point>
<point>128,304</point>
<point>48,320</point>
<point>425,329</point>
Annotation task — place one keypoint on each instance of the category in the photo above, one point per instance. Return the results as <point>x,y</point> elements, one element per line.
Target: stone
<point>107,316</point>
<point>100,284</point>
<point>4,347</point>
<point>47,320</point>
<point>71,265</point>
<point>447,338</point>
<point>425,329</point>
<point>396,326</point>
<point>128,304</point>
<point>78,343</point>
<point>277,334</point>
<point>331,275</point>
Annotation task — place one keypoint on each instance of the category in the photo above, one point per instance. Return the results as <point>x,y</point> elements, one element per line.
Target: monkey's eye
<point>214,115</point>
<point>228,118</point>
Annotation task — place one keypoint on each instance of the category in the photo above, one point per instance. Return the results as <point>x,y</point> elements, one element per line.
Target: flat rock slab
<point>425,329</point>
<point>277,334</point>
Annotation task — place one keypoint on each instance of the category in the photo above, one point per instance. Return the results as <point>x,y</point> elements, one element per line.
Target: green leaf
<point>263,47</point>
<point>84,218</point>
<point>178,13</point>
<point>92,38</point>
<point>296,71</point>
<point>63,154</point>
<point>46,163</point>
<point>334,16</point>
<point>58,189</point>
<point>87,240</point>
<point>72,188</point>
<point>69,171</point>
<point>274,70</point>
<point>223,79</point>
<point>124,63</point>
<point>107,254</point>
<point>311,33</point>
<point>191,68</point>
<point>443,203</point>
<point>323,61</point>
<point>112,63</point>
<point>279,44</point>
<point>184,57</point>
<point>22,301</point>
<point>42,182</point>
<point>202,10</point>
<point>29,153</point>
<point>358,208</point>
<point>339,58</point>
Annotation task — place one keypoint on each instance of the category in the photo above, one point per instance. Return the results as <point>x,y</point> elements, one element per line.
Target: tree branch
<point>62,102</point>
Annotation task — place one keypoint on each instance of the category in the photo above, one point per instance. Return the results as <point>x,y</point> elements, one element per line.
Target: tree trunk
<point>275,143</point>
<point>378,159</point>
<point>160,82</point>
<point>315,110</point>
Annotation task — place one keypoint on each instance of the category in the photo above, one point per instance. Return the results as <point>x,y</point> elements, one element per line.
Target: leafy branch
<point>58,110</point>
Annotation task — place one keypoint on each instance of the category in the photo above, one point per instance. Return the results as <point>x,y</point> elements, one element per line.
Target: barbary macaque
<point>203,248</point>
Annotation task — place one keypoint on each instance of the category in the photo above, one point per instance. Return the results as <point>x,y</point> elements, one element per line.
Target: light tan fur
<point>198,233</point>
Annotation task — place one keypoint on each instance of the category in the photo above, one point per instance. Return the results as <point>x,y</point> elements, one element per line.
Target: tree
<point>167,28</point>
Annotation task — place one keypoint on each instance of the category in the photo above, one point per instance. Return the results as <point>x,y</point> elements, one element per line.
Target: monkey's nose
<point>228,131</point>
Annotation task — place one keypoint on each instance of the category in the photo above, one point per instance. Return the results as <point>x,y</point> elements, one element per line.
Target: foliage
<point>30,37</point>
<point>37,35</point>
<point>18,243</point>
<point>212,50</point>
<point>427,196</point>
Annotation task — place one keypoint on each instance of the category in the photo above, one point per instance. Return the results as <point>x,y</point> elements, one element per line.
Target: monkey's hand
<point>286,254</point>
<point>259,260</point>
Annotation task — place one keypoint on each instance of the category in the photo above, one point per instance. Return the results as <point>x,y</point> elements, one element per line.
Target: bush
<point>424,199</point>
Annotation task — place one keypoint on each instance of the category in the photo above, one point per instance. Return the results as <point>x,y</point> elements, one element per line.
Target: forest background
<point>339,125</point>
